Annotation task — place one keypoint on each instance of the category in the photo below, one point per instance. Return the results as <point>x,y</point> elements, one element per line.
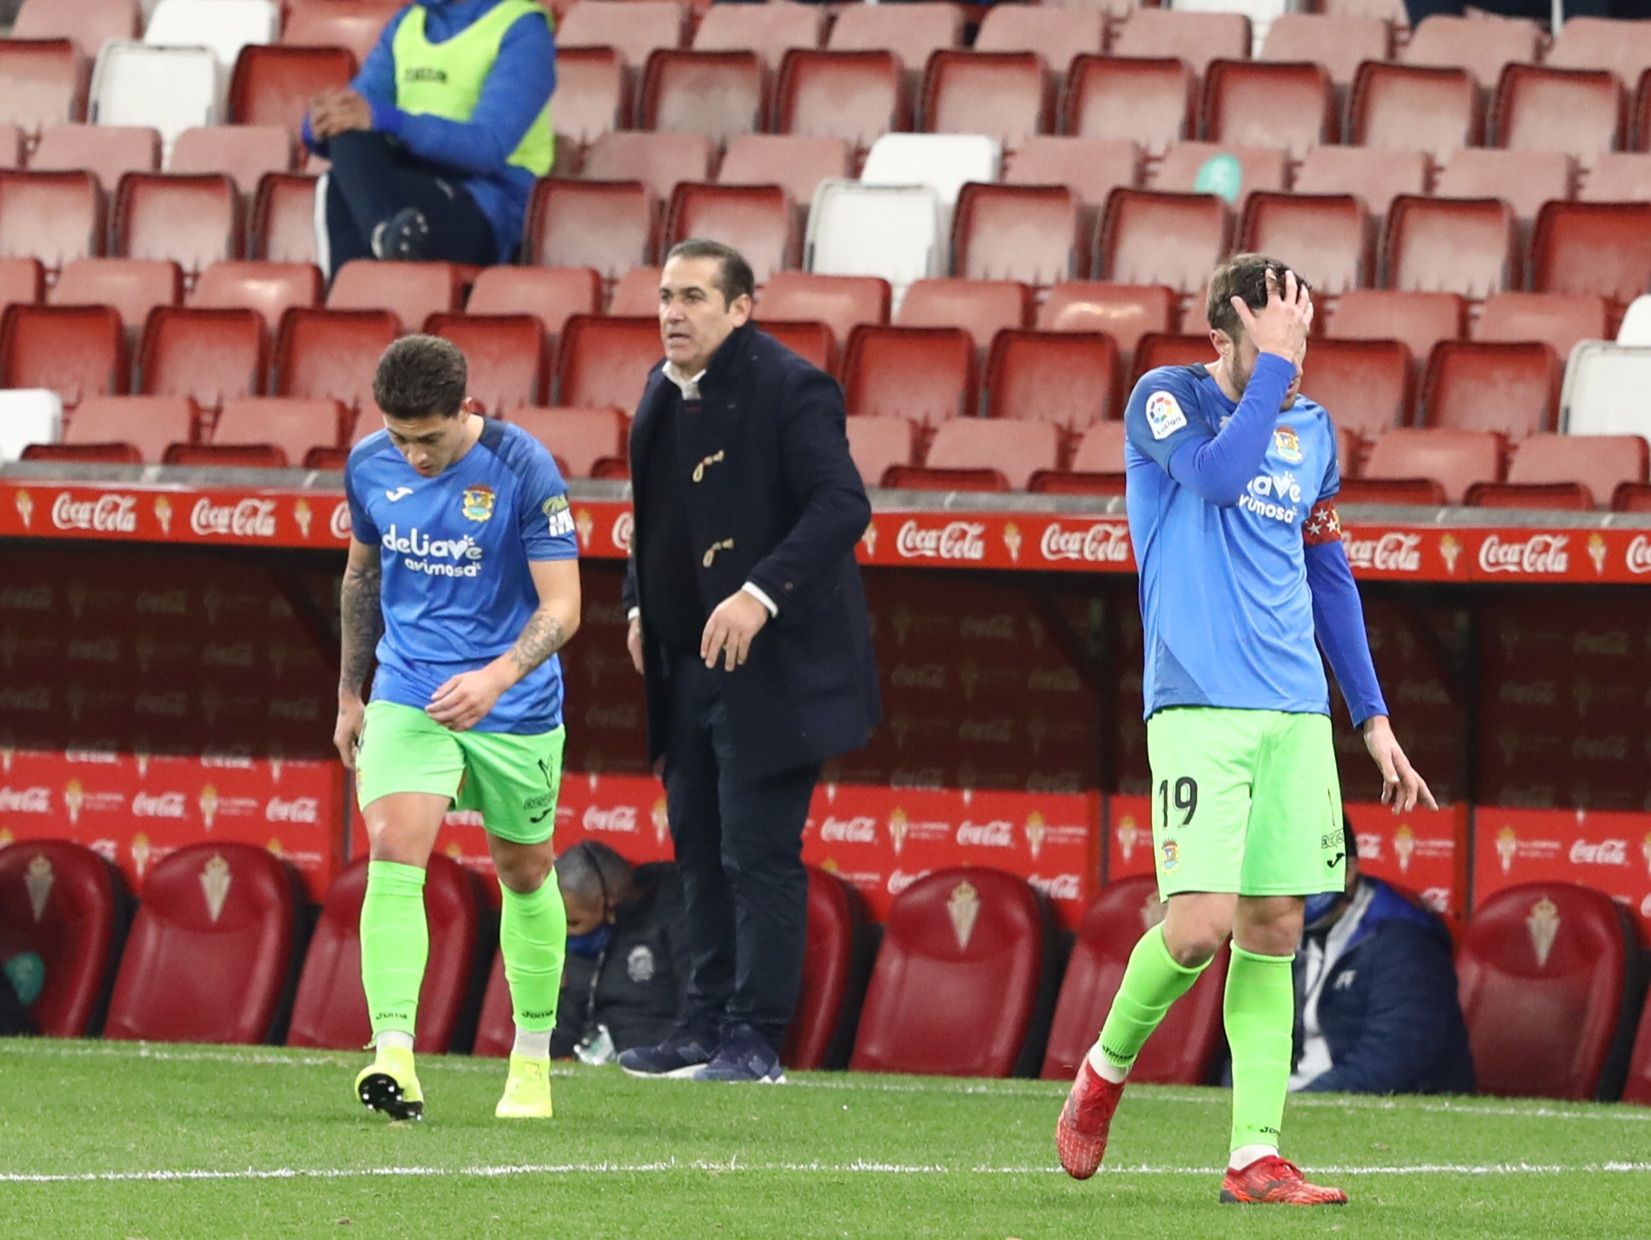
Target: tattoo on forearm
<point>542,637</point>
<point>360,620</point>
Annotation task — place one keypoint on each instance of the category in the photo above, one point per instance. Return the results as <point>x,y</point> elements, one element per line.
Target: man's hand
<point>346,734</point>
<point>728,633</point>
<point>1402,787</point>
<point>1282,325</point>
<point>339,111</point>
<point>464,700</point>
<point>633,643</point>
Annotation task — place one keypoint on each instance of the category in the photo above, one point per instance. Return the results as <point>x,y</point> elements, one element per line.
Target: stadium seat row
<point>216,910</point>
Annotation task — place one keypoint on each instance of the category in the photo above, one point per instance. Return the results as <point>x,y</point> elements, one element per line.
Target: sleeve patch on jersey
<point>1323,525</point>
<point>558,517</point>
<point>1164,415</point>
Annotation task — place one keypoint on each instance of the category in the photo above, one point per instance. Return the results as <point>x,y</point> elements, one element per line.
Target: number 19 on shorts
<point>1185,803</point>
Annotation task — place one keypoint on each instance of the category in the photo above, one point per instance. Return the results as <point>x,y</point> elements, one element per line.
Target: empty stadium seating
<point>76,351</point>
<point>550,294</point>
<point>756,218</point>
<point>1149,101</point>
<point>604,362</point>
<point>133,286</point>
<point>30,419</point>
<point>1339,43</point>
<point>1004,95</point>
<point>1475,386</point>
<point>1054,33</point>
<point>148,424</point>
<point>274,85</point>
<point>1155,349</point>
<point>55,217</point>
<point>297,427</point>
<point>1373,175</point>
<point>283,219</point>
<point>1291,107</point>
<point>1483,48</point>
<point>1090,167</point>
<point>796,163</point>
<point>1604,389</point>
<point>840,302</point>
<point>717,94</point>
<point>504,354</point>
<point>21,280</point>
<point>591,96</point>
<point>768,30</point>
<point>1417,320</point>
<point>1029,233</point>
<point>1196,38</point>
<point>1069,378</point>
<point>168,88</point>
<point>331,353</point>
<point>42,83</point>
<point>1466,245</point>
<point>1452,459</point>
<point>836,921</point>
<point>1593,247</point>
<point>108,152</point>
<point>210,355</point>
<point>894,233</point>
<point>1365,384</point>
<point>351,24</point>
<point>911,31</point>
<point>981,307</point>
<point>1125,312</point>
<point>1618,176</point>
<point>1013,451</point>
<point>578,438</point>
<point>1326,235</point>
<point>608,225</point>
<point>1148,237</point>
<point>852,96</point>
<point>194,221</point>
<point>879,443</point>
<point>87,23</point>
<point>1522,179</point>
<point>269,289</point>
<point>1415,108</point>
<point>1558,320</point>
<point>243,153</point>
<point>410,291</point>
<point>1576,112</point>
<point>658,160</point>
<point>926,374</point>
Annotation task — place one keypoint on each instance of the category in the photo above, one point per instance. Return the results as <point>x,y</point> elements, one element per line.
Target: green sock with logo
<point>1259,1013</point>
<point>533,932</point>
<point>395,943</point>
<point>1152,981</point>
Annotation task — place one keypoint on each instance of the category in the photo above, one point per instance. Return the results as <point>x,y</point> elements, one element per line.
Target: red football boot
<point>1080,1136</point>
<point>1272,1181</point>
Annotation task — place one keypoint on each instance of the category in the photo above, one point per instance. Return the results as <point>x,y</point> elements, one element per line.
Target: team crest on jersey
<point>1288,444</point>
<point>477,504</point>
<point>1164,415</point>
<point>1171,856</point>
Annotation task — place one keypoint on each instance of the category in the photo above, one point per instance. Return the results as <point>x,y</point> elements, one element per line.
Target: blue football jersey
<point>455,550</point>
<point>1226,612</point>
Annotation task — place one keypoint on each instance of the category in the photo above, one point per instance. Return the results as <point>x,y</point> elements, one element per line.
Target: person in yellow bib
<point>436,144</point>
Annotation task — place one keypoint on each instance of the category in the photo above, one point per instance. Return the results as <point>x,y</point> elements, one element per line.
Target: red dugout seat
<point>275,84</point>
<point>410,291</point>
<point>42,83</point>
<point>1148,101</point>
<point>634,29</point>
<point>1416,320</point>
<point>1452,459</point>
<point>1602,463</point>
<point>1054,33</point>
<point>853,96</point>
<point>67,905</point>
<point>578,438</point>
<point>1291,107</point>
<point>133,286</point>
<point>1545,972</point>
<point>605,362</point>
<point>269,289</point>
<point>1620,176</point>
<point>1195,37</point>
<point>1631,497</point>
<point>1465,245</point>
<point>836,921</point>
<point>840,302</point>
<point>1577,112</point>
<point>331,353</point>
<point>658,160</point>
<point>608,225</point>
<point>1101,450</point>
<point>1415,108</point>
<point>297,427</point>
<point>330,1009</point>
<point>1126,312</point>
<point>911,31</point>
<point>228,456</point>
<point>813,342</point>
<point>1482,48</point>
<point>149,425</point>
<point>212,948</point>
<point>1593,247</point>
<point>1602,43</point>
<point>977,936</point>
<point>768,31</point>
<point>717,94</point>
<point>1149,237</point>
<point>193,220</point>
<point>77,351</point>
<point>1090,167</point>
<point>879,444</point>
<point>504,354</point>
<point>592,96</point>
<point>1156,349</point>
<point>83,454</point>
<point>244,153</point>
<point>1558,320</point>
<point>283,219</point>
<point>1182,1050</point>
<point>636,295</point>
<point>209,355</point>
<point>926,374</point>
<point>1325,234</point>
<point>936,478</point>
<point>11,145</point>
<point>550,294</point>
<point>757,218</point>
<point>88,23</point>
<point>1509,388</point>
<point>1339,43</point>
<point>980,307</point>
<point>794,162</point>
<point>1028,233</point>
<point>1522,179</point>
<point>108,152</point>
<point>1004,95</point>
<point>353,24</point>
<point>1365,384</point>
<point>55,217</point>
<point>1531,496</point>
<point>1016,450</point>
<point>1375,176</point>
<point>1069,378</point>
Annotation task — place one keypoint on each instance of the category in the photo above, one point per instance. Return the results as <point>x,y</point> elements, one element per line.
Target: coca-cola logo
<point>1099,543</point>
<point>1392,552</point>
<point>305,811</point>
<point>247,518</point>
<point>624,525</point>
<point>92,757</point>
<point>995,834</point>
<point>956,540</point>
<point>1606,852</point>
<point>858,830</point>
<point>1540,553</point>
<point>1639,555</point>
<point>900,880</point>
<point>1057,886</point>
<point>164,805</point>
<point>107,514</point>
<point>31,800</point>
<point>619,820</point>
<point>339,523</point>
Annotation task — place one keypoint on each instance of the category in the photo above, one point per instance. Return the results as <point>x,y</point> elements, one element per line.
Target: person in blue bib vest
<point>436,144</point>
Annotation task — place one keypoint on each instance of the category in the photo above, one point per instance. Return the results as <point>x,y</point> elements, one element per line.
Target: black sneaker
<point>405,236</point>
<point>744,1056</point>
<point>683,1053</point>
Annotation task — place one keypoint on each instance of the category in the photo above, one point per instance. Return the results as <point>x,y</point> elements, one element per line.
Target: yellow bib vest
<point>445,79</point>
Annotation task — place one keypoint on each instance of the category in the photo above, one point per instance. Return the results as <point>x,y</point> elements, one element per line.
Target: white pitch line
<point>734,1166</point>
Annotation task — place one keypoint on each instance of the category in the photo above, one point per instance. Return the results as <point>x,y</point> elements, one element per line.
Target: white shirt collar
<point>688,387</point>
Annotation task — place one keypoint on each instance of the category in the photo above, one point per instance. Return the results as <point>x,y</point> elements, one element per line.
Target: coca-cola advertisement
<point>1610,852</point>
<point>1423,851</point>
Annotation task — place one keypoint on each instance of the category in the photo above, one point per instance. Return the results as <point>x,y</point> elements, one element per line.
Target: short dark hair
<point>419,375</point>
<point>1242,275</point>
<point>734,278</point>
<point>592,869</point>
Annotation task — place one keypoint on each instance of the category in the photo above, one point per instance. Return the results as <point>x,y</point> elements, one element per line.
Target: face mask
<point>1318,908</point>
<point>593,943</point>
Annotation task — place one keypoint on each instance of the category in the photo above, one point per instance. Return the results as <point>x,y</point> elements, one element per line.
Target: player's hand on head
<point>463,701</point>
<point>1402,785</point>
<point>730,629</point>
<point>1281,326</point>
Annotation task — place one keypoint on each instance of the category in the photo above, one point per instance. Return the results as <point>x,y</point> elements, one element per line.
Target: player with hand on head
<point>464,557</point>
<point>1232,478</point>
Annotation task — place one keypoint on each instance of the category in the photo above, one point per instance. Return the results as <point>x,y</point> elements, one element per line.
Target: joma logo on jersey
<point>477,504</point>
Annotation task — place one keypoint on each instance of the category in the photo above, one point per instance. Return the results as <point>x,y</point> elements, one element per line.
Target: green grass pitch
<point>111,1139</point>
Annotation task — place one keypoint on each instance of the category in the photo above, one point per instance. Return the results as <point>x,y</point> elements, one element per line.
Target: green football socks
<point>395,943</point>
<point>1152,981</point>
<point>1259,1011</point>
<point>533,931</point>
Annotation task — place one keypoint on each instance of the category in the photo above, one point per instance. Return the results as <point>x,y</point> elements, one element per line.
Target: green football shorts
<point>511,780</point>
<point>1244,801</point>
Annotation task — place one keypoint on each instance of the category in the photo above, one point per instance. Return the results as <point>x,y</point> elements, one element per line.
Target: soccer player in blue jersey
<point>464,556</point>
<point>1232,479</point>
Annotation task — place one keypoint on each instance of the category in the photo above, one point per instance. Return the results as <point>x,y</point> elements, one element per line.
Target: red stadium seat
<point>1148,237</point>
<point>55,217</point>
<point>1522,179</point>
<point>1544,971</point>
<point>911,31</point>
<point>87,23</point>
<point>1463,245</point>
<point>275,84</point>
<point>1290,107</point>
<point>769,31</point>
<point>67,905</point>
<point>1453,459</point>
<point>877,444</point>
<point>76,351</point>
<point>926,374</point>
<point>42,83</point>
<point>211,356</point>
<point>22,280</point>
<point>1016,450</point>
<point>578,438</point>
<point>605,362</point>
<point>836,920</point>
<point>292,425</point>
<point>1558,320</point>
<point>1509,388</point>
<point>608,225</point>
<point>244,153</point>
<point>330,1009</point>
<point>1484,48</point>
<point>1417,320</point>
<point>193,220</point>
<point>1069,378</point>
<point>795,163</point>
<point>1531,496</point>
<point>149,424</point>
<point>227,456</point>
<point>1148,101</point>
<point>717,94</point>
<point>1365,384</point>
<point>211,950</point>
<point>1593,247</point>
<point>840,302</point>
<point>1182,1050</point>
<point>133,286</point>
<point>283,219</point>
<point>980,307</point>
<point>1340,44</point>
<point>108,152</point>
<point>1602,463</point>
<point>1260,167</point>
<point>658,160</point>
<point>1028,233</point>
<point>936,478</point>
<point>1195,37</point>
<point>1631,497</point>
<point>504,354</point>
<point>852,96</point>
<point>1375,176</point>
<point>266,288</point>
<point>813,342</point>
<point>353,24</point>
<point>1403,492</point>
<point>331,353</point>
<point>1618,176</point>
<point>1101,450</point>
<point>1054,33</point>
<point>1637,1089</point>
<point>410,291</point>
<point>1090,167</point>
<point>1327,235</point>
<point>1156,349</point>
<point>636,295</point>
<point>976,936</point>
<point>757,218</point>
<point>1077,482</point>
<point>633,29</point>
<point>1126,312</point>
<point>551,294</point>
<point>592,96</point>
<point>1577,112</point>
<point>1004,95</point>
<point>1415,108</point>
<point>1601,43</point>
<point>11,145</point>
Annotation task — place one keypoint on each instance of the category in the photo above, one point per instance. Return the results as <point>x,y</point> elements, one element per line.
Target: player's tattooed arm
<point>556,619</point>
<point>542,637</point>
<point>360,617</point>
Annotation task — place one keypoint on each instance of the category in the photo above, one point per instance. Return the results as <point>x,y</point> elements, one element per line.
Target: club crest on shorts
<point>477,504</point>
<point>1288,444</point>
<point>1170,856</point>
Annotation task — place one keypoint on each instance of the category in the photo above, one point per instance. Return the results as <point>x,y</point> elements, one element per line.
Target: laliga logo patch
<point>477,504</point>
<point>1164,415</point>
<point>1288,444</point>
